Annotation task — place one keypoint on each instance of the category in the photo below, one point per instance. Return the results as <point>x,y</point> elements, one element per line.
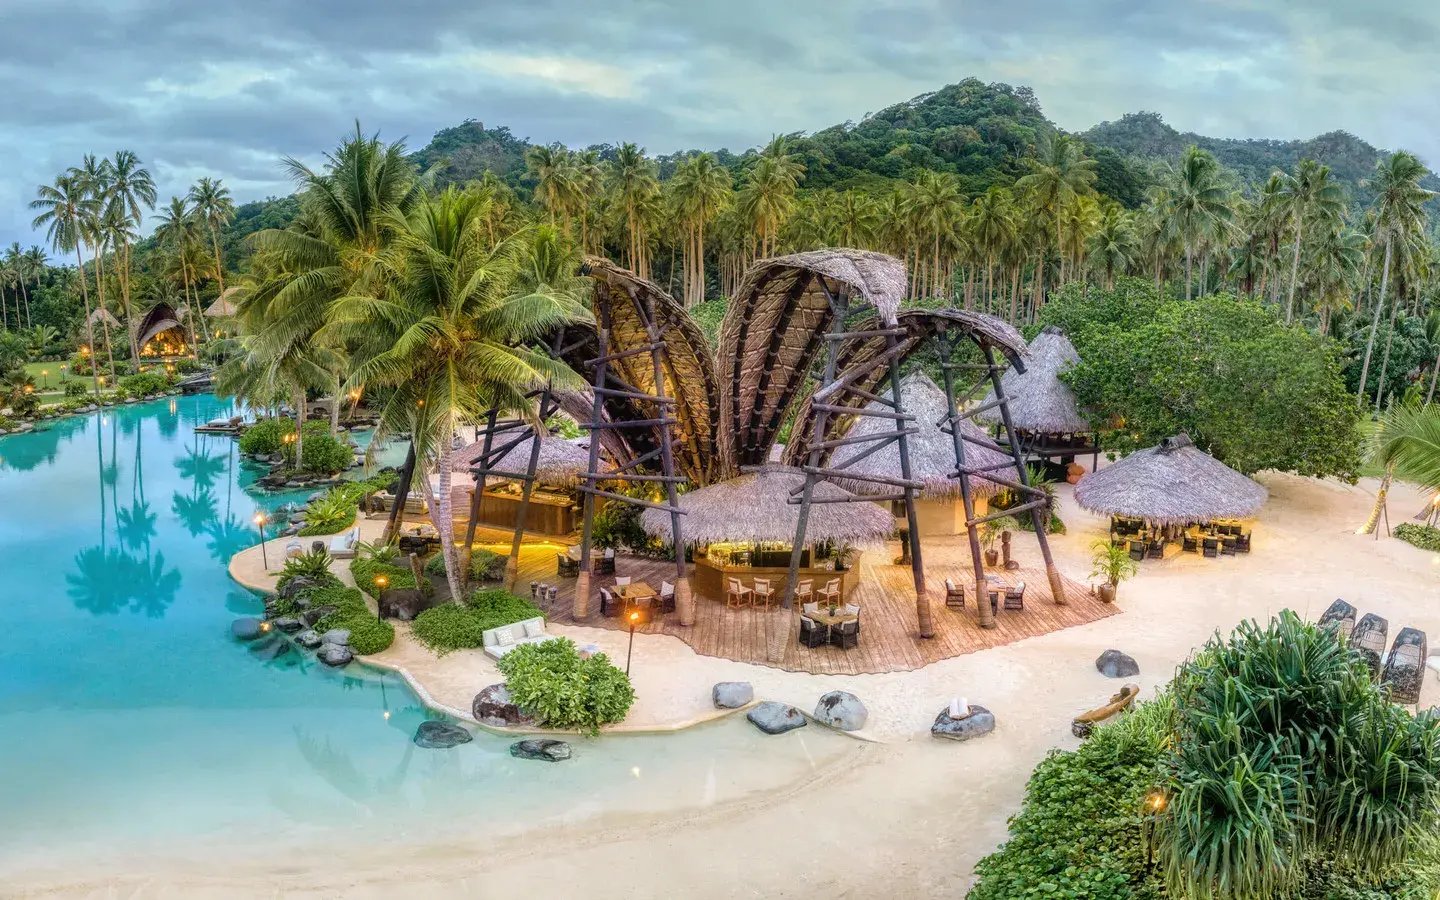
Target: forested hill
<point>1146,136</point>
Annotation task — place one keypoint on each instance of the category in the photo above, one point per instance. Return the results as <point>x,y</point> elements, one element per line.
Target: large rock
<point>980,722</point>
<point>776,718</point>
<point>340,636</point>
<point>434,735</point>
<point>308,639</point>
<point>542,749</point>
<point>247,629</point>
<point>315,614</point>
<point>335,655</point>
<point>300,584</point>
<point>732,694</point>
<point>289,624</point>
<point>271,648</point>
<point>842,710</point>
<point>1114,664</point>
<point>404,604</point>
<point>495,707</point>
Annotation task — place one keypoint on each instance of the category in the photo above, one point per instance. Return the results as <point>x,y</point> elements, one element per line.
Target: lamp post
<point>380,582</point>
<point>1154,805</point>
<point>45,377</point>
<point>260,526</point>
<point>629,651</point>
<point>289,440</point>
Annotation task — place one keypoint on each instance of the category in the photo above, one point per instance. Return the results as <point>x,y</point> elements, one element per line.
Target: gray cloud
<point>226,89</point>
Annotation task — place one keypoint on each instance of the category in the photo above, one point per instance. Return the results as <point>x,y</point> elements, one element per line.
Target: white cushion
<point>811,607</point>
<point>534,627</point>
<point>504,637</point>
<point>852,609</point>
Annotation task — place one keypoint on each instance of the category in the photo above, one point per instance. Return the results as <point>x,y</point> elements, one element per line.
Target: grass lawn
<point>47,379</point>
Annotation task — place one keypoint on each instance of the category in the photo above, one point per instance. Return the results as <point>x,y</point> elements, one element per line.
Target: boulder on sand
<point>436,735</point>
<point>495,707</point>
<point>247,628</point>
<point>842,710</point>
<point>732,694</point>
<point>1114,664</point>
<point>308,639</point>
<point>335,655</point>
<point>776,718</point>
<point>980,722</point>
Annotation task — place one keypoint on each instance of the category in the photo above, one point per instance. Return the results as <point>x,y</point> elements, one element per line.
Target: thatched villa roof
<point>161,317</point>
<point>774,329</point>
<point>224,305</point>
<point>562,462</point>
<point>920,326</point>
<point>1039,401</point>
<point>102,316</point>
<point>1171,483</point>
<point>755,507</point>
<point>632,304</point>
<point>932,451</point>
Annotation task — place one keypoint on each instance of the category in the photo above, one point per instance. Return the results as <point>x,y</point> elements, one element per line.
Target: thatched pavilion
<point>744,527</point>
<point>1043,410</point>
<point>1170,486</point>
<point>551,507</point>
<point>161,324</point>
<point>932,458</point>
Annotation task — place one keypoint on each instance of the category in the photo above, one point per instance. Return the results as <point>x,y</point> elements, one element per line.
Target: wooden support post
<point>684,600</point>
<point>467,551</point>
<point>592,474</point>
<point>967,496</point>
<point>917,566</point>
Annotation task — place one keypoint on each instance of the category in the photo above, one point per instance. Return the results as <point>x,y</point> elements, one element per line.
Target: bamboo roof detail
<point>1173,482</point>
<point>561,462</point>
<point>224,305</point>
<point>161,317</point>
<point>775,328</point>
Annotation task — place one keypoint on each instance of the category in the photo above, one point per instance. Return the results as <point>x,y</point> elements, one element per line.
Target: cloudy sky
<point>225,88</point>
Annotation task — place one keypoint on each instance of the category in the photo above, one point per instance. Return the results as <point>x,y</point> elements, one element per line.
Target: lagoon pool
<point>131,723</point>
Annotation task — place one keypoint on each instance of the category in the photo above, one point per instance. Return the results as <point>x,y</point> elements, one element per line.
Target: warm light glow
<point>260,519</point>
<point>381,581</point>
<point>635,770</point>
<point>634,617</point>
<point>386,714</point>
<point>264,626</point>
<point>1156,802</point>
<point>419,402</point>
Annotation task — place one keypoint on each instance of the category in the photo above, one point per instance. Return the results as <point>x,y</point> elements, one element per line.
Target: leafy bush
<point>561,690</point>
<point>265,437</point>
<point>311,563</point>
<point>286,606</point>
<point>74,387</point>
<point>485,565</point>
<point>365,571</point>
<point>144,384</point>
<point>1426,537</point>
<point>323,451</point>
<point>330,513</point>
<point>367,633</point>
<point>452,627</point>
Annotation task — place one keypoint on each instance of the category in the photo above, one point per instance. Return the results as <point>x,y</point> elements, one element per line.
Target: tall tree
<point>1310,195</point>
<point>698,191</point>
<point>1196,205</point>
<point>211,201</point>
<point>1059,173</point>
<point>63,207</point>
<point>634,192</point>
<point>131,192</point>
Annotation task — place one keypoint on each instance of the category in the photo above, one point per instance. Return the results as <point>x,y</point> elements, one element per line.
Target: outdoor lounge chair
<point>812,633</point>
<point>1404,671</point>
<point>1190,545</point>
<point>500,641</point>
<point>1368,639</point>
<point>1210,548</point>
<point>954,595</point>
<point>1137,551</point>
<point>1340,617</point>
<point>1015,596</point>
<point>605,564</point>
<point>846,635</point>
<point>736,594</point>
<point>1156,550</point>
<point>342,546</point>
<point>1242,543</point>
<point>566,567</point>
<point>609,605</point>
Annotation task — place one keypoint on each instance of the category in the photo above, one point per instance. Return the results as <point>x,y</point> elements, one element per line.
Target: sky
<point>226,89</point>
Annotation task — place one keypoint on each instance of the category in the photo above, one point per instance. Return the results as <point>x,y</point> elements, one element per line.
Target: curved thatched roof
<point>224,305</point>
<point>629,302</point>
<point>773,330</point>
<point>1039,401</point>
<point>920,326</point>
<point>756,507</point>
<point>1172,482</point>
<point>162,317</point>
<point>561,462</point>
<point>932,451</point>
<point>102,316</point>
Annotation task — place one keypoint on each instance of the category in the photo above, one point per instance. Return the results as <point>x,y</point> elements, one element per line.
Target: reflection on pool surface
<point>130,719</point>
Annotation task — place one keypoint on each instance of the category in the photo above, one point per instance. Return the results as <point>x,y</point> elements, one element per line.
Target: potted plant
<point>1074,472</point>
<point>1113,564</point>
<point>990,533</point>
<point>843,553</point>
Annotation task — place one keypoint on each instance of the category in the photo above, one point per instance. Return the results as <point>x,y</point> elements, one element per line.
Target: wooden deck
<point>889,637</point>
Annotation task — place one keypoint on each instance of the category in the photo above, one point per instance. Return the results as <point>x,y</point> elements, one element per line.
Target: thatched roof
<point>224,305</point>
<point>629,302</point>
<point>756,507</point>
<point>161,317</point>
<point>102,316</point>
<point>920,326</point>
<point>562,462</point>
<point>1039,401</point>
<point>1173,482</point>
<point>932,451</point>
<point>774,329</point>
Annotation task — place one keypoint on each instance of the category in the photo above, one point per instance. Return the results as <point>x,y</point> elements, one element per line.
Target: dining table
<point>831,619</point>
<point>636,590</point>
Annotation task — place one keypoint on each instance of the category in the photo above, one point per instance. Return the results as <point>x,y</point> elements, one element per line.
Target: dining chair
<point>667,597</point>
<point>831,592</point>
<point>622,581</point>
<point>954,595</point>
<point>805,590</point>
<point>845,635</point>
<point>736,594</point>
<point>812,633</point>
<point>608,606</point>
<point>762,594</point>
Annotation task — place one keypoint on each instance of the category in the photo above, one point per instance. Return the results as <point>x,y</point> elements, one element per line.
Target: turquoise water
<point>131,723</point>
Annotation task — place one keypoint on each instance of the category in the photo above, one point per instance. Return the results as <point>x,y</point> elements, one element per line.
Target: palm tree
<point>17,262</point>
<point>175,227</point>
<point>63,207</point>
<point>130,192</point>
<point>1310,193</point>
<point>634,191</point>
<point>213,206</point>
<point>447,337</point>
<point>857,217</point>
<point>557,181</point>
<point>698,190</point>
<point>1399,214</point>
<point>767,194</point>
<point>1113,246</point>
<point>1059,173</point>
<point>1407,443</point>
<point>1334,262</point>
<point>936,206</point>
<point>1196,205</point>
<point>991,225</point>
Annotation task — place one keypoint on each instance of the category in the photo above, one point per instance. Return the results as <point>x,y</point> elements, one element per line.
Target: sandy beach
<point>901,814</point>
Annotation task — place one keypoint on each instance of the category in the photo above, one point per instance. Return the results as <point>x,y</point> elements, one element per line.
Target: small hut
<point>1172,493</point>
<point>553,499</point>
<point>744,528</point>
<point>224,305</point>
<point>1043,410</point>
<point>932,458</point>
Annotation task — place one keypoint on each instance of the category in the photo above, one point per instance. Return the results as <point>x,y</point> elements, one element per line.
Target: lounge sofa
<point>500,641</point>
<point>342,545</point>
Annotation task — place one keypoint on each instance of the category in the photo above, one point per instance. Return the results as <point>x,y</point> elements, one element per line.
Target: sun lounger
<point>1368,639</point>
<point>500,641</point>
<point>1340,617</point>
<point>342,546</point>
<point>1405,666</point>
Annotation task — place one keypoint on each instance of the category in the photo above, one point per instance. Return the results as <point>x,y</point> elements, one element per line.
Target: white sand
<point>905,817</point>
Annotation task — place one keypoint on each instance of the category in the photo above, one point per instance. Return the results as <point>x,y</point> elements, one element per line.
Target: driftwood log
<point>1085,723</point>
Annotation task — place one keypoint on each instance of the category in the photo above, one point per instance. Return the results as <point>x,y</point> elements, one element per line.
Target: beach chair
<point>1368,640</point>
<point>342,546</point>
<point>954,595</point>
<point>1015,596</point>
<point>1340,618</point>
<point>1404,671</point>
<point>737,595</point>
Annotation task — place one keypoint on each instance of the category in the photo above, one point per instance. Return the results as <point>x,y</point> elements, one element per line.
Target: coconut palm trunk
<point>1295,266</point>
<point>442,516</point>
<point>402,495</point>
<point>1379,508</point>
<point>299,429</point>
<point>1374,325</point>
<point>89,325</point>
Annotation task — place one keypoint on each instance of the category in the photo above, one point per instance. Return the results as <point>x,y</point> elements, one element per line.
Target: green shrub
<point>1426,537</point>
<point>561,690</point>
<point>331,513</point>
<point>366,569</point>
<point>485,565</point>
<point>74,387</point>
<point>286,606</point>
<point>367,633</point>
<point>323,451</point>
<point>448,627</point>
<point>265,437</point>
<point>311,563</point>
<point>144,384</point>
<point>495,607</point>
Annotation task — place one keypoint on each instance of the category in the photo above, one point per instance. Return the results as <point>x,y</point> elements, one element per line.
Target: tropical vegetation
<point>553,683</point>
